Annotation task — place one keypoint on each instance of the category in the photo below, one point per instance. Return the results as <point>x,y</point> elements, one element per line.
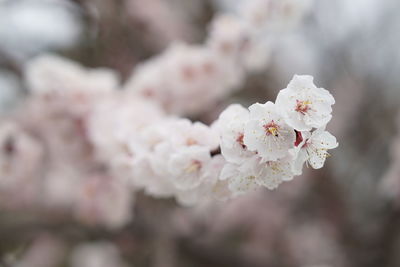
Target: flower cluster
<point>236,44</point>
<point>274,16</point>
<point>177,161</point>
<point>50,74</point>
<point>269,143</point>
<point>183,73</point>
<point>87,147</point>
<point>90,143</point>
<point>260,146</point>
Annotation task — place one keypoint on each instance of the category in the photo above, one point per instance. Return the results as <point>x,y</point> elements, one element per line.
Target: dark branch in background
<point>7,62</point>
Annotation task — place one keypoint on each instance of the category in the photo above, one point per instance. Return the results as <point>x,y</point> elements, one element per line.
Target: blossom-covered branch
<point>89,143</point>
<point>119,143</point>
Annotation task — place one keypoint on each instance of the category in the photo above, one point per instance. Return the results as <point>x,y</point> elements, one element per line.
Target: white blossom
<point>20,155</point>
<point>313,149</point>
<point>242,178</point>
<point>186,133</point>
<point>176,159</point>
<point>303,105</point>
<point>104,200</point>
<point>231,125</point>
<point>212,188</point>
<point>267,132</point>
<point>276,172</point>
<point>115,123</point>
<point>274,15</point>
<point>96,254</point>
<point>125,142</point>
<point>184,79</point>
<point>186,166</point>
<point>253,173</point>
<point>228,34</point>
<point>54,74</point>
<point>153,183</point>
<point>236,41</point>
<point>184,153</point>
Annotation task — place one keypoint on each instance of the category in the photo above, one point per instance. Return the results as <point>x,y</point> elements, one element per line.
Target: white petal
<point>317,159</point>
<point>300,82</point>
<point>323,139</point>
<point>228,171</point>
<point>299,161</point>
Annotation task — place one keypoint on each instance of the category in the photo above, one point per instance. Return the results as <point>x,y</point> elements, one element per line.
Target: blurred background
<point>346,214</point>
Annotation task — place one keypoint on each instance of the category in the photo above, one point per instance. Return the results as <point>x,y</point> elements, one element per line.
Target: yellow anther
<point>273,131</point>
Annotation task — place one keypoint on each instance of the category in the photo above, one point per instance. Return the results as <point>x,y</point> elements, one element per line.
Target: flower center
<point>303,106</point>
<point>239,139</point>
<point>194,166</point>
<point>191,142</point>
<point>188,73</point>
<point>272,129</point>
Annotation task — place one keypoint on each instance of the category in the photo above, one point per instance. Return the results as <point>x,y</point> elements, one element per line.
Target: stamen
<point>272,129</point>
<point>190,142</point>
<point>303,106</point>
<point>274,167</point>
<point>240,140</point>
<point>193,167</point>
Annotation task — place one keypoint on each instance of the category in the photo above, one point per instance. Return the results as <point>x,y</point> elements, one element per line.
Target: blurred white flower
<point>176,160</point>
<point>49,73</point>
<point>98,254</point>
<point>151,182</point>
<point>21,161</point>
<point>231,124</point>
<point>61,185</point>
<point>153,150</point>
<point>186,166</point>
<point>185,153</point>
<point>227,35</point>
<point>274,15</point>
<point>187,133</point>
<point>104,200</point>
<point>184,79</point>
<point>114,127</point>
<point>239,44</point>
